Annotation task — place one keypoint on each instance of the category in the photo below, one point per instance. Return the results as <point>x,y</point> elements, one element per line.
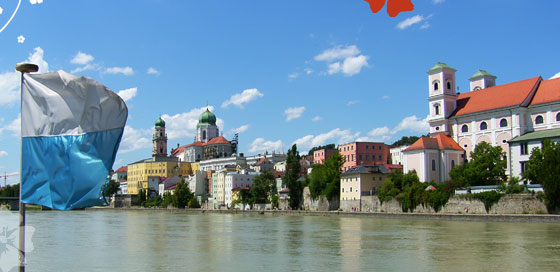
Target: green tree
<point>325,178</point>
<point>182,195</point>
<point>263,188</point>
<point>485,168</point>
<point>406,140</point>
<point>291,177</point>
<point>141,197</point>
<point>543,168</point>
<point>111,188</point>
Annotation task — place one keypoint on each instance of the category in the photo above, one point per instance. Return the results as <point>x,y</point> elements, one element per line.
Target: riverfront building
<point>364,180</point>
<point>490,113</point>
<point>159,165</point>
<point>321,155</point>
<point>358,153</point>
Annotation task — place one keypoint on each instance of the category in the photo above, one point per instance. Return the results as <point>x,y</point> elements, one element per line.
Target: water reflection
<point>162,241</point>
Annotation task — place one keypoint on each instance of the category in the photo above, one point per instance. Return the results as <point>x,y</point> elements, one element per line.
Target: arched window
<point>433,165</point>
<point>436,85</point>
<point>476,88</point>
<point>558,117</point>
<point>436,109</point>
<point>204,135</point>
<point>483,126</point>
<point>539,120</point>
<point>449,85</point>
<point>503,123</point>
<point>465,128</point>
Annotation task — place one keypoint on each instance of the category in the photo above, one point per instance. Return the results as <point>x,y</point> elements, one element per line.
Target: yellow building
<point>139,172</point>
<point>159,165</point>
<point>362,180</point>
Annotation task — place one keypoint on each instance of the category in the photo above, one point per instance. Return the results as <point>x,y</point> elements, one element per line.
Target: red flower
<point>394,7</point>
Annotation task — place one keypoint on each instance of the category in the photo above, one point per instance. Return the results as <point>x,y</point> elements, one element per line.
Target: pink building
<point>319,156</point>
<point>358,153</point>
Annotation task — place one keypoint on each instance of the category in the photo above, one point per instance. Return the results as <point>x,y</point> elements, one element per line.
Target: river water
<point>116,240</point>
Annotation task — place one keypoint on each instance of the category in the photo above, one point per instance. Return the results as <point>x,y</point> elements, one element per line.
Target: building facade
<point>358,153</point>
<point>397,155</point>
<point>321,155</point>
<point>364,180</point>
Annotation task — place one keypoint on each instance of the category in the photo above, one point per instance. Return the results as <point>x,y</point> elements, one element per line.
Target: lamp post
<point>23,68</point>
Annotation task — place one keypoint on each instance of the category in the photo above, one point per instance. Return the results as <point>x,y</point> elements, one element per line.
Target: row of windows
<point>504,123</point>
<point>434,164</point>
<point>436,85</point>
<point>349,148</point>
<point>360,158</point>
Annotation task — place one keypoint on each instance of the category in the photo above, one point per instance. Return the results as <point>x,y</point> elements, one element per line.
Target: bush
<point>488,198</point>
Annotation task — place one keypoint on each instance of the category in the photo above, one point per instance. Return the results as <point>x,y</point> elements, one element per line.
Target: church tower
<point>159,139</point>
<point>442,97</point>
<point>206,127</point>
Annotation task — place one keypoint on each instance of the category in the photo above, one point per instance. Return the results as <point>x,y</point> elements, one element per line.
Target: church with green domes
<point>208,143</point>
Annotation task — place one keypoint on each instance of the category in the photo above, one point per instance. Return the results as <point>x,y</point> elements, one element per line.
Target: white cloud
<point>153,71</point>
<point>352,102</point>
<point>413,124</point>
<point>425,25</point>
<point>241,129</point>
<point>134,139</point>
<point>410,123</point>
<point>260,145</point>
<point>317,118</point>
<point>334,68</point>
<point>343,59</point>
<point>245,97</point>
<point>555,76</point>
<point>353,65</point>
<point>385,97</point>
<point>82,58</point>
<point>338,52</point>
<point>9,87</point>
<point>183,125</point>
<point>33,2</point>
<point>410,21</point>
<point>336,135</point>
<point>3,153</point>
<point>1,10</point>
<point>438,1</point>
<point>89,66</point>
<point>294,113</point>
<point>308,71</point>
<point>127,71</point>
<point>37,58</point>
<point>128,94</point>
<point>14,127</point>
<point>293,75</point>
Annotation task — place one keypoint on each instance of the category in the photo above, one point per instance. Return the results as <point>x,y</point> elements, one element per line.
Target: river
<point>116,240</point>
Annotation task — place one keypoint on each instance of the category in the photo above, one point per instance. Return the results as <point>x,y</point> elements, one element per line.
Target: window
<point>360,157</point>
<point>367,157</point>
<point>343,190</point>
<point>558,117</point>
<point>452,164</point>
<point>367,147</point>
<point>449,85</point>
<point>350,189</point>
<point>524,149</point>
<point>436,109</point>
<point>539,120</point>
<point>437,128</point>
<point>465,128</point>
<point>523,165</point>
<point>483,126</point>
<point>503,123</point>
<point>204,135</point>
<point>380,157</point>
<point>379,147</point>
<point>436,85</point>
<point>433,165</point>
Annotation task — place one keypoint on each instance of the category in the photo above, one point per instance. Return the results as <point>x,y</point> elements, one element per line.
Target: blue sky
<point>308,72</point>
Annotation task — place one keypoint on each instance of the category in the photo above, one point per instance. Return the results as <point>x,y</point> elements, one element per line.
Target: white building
<point>522,146</point>
<point>235,180</point>
<point>280,166</point>
<point>120,174</point>
<point>197,183</point>
<point>397,155</point>
<point>123,188</point>
<point>488,112</point>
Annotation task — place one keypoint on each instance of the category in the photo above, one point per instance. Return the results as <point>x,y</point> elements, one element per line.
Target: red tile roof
<point>218,140</point>
<point>549,91</point>
<point>178,150</point>
<point>497,97</point>
<point>195,144</point>
<point>440,142</point>
<point>122,169</point>
<point>392,167</point>
<point>261,161</point>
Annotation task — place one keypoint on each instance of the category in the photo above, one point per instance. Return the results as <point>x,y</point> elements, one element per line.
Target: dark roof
<point>537,135</point>
<point>367,169</point>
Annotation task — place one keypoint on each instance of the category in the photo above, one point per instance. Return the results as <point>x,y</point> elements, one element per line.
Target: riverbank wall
<point>508,204</point>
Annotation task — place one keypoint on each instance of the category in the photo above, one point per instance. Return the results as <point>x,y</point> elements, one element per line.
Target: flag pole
<point>23,68</point>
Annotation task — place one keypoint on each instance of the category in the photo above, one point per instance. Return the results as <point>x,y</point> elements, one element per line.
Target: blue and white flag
<point>71,128</point>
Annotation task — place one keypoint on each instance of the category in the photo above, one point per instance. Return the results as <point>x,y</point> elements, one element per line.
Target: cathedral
<point>208,144</point>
